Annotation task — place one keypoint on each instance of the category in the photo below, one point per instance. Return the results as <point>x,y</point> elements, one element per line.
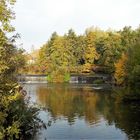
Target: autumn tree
<point>90,54</point>
<point>6,15</point>
<point>120,70</point>
<point>58,57</point>
<point>72,48</point>
<point>80,53</point>
<point>16,116</point>
<point>42,59</point>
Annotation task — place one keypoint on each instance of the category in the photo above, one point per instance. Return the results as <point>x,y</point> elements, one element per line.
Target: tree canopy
<point>16,116</point>
<point>72,53</point>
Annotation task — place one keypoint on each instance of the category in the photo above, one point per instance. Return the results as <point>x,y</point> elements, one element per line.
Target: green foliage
<point>127,94</point>
<point>49,78</point>
<point>90,51</point>
<point>58,76</point>
<point>110,49</point>
<point>98,81</point>
<point>133,64</point>
<point>17,118</point>
<point>11,58</point>
<point>65,54</point>
<point>96,48</point>
<point>67,77</point>
<point>6,15</point>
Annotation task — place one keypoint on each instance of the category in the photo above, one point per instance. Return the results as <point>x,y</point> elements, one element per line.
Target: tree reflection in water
<point>80,102</point>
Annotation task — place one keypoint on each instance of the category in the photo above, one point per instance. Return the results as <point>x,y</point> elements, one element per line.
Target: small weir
<point>76,79</point>
<point>32,79</point>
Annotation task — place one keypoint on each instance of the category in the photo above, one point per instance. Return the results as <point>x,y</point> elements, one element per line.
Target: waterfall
<point>32,79</point>
<point>74,79</point>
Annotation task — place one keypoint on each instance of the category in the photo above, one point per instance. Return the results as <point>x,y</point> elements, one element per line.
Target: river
<point>81,112</point>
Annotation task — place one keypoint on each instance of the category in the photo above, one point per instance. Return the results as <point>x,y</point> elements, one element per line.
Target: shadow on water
<point>77,111</point>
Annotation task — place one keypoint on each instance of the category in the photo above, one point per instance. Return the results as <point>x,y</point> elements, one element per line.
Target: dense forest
<point>114,52</point>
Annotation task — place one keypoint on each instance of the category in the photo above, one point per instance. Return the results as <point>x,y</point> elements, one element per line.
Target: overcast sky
<point>36,20</point>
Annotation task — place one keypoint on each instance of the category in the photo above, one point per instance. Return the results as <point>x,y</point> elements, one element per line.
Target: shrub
<point>17,117</point>
<point>67,77</point>
<point>58,76</point>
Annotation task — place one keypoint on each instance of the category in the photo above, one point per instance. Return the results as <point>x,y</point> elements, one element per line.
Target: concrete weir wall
<point>32,78</point>
<point>74,79</point>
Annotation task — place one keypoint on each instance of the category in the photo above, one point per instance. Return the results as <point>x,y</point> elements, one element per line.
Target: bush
<point>67,77</point>
<point>17,117</point>
<point>49,78</point>
<point>58,76</point>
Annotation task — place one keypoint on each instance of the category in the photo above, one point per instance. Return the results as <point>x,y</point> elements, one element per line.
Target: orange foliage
<point>120,70</point>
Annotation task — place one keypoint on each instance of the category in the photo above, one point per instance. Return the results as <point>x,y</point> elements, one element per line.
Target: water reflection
<point>126,117</point>
<point>100,112</point>
<point>70,102</point>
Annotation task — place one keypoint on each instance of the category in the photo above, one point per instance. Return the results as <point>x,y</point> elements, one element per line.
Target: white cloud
<point>37,19</point>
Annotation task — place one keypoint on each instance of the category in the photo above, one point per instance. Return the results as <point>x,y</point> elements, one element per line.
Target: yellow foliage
<point>120,70</point>
<point>87,67</point>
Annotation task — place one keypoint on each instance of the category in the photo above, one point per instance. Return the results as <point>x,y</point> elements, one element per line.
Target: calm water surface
<point>79,112</point>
